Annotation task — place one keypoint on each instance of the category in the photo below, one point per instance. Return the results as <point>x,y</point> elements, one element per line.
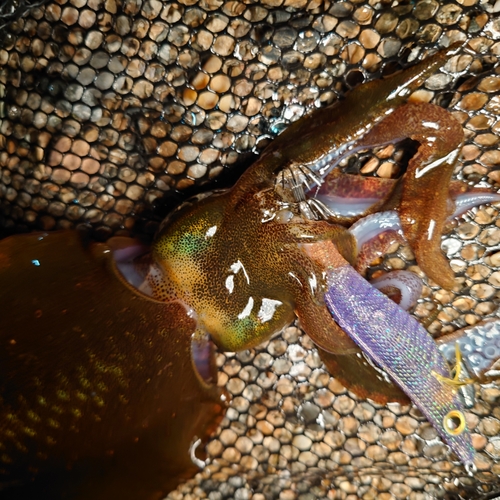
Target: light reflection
<point>430,229</point>
<point>230,283</point>
<point>295,277</point>
<point>267,309</point>
<point>433,125</point>
<point>35,262</point>
<point>248,309</point>
<point>210,232</point>
<point>237,266</point>
<point>449,158</point>
<point>313,284</point>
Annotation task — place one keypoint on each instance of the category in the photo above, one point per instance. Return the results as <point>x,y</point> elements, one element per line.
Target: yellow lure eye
<point>454,422</point>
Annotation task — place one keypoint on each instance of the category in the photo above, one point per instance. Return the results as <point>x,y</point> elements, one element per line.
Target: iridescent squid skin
<point>232,265</point>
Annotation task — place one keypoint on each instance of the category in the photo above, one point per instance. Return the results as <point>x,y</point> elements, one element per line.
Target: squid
<point>107,374</point>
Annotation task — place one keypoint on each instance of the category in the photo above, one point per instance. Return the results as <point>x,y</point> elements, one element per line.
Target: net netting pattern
<point>110,108</point>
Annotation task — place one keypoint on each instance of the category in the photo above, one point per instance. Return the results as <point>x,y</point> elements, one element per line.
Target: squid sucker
<point>107,374</point>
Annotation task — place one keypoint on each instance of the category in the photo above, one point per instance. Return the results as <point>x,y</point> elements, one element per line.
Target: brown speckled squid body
<point>98,396</point>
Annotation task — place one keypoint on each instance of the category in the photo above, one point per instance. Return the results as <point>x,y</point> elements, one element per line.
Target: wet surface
<point>110,107</point>
<point>86,403</point>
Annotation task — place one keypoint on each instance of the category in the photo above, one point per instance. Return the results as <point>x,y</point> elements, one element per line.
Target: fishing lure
<point>399,344</point>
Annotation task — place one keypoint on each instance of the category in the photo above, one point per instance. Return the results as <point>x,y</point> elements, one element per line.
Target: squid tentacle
<point>375,233</point>
<point>330,134</point>
<point>402,287</point>
<point>426,182</point>
<point>351,197</point>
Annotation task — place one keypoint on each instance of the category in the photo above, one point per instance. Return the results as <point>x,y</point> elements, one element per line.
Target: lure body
<point>400,345</point>
<point>397,343</point>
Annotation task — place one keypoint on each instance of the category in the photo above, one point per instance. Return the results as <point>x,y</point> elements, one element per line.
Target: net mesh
<point>110,111</point>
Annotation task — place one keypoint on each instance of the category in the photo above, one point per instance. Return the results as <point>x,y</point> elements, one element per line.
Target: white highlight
<point>267,309</point>
<point>230,283</point>
<point>210,232</point>
<point>430,229</point>
<point>248,309</point>
<point>449,158</point>
<point>433,125</point>
<point>238,266</point>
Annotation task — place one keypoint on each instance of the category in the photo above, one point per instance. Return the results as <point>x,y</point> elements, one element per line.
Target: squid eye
<point>454,422</point>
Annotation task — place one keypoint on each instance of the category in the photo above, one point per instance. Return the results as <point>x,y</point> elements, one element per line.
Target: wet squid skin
<point>239,259</point>
<point>111,382</point>
<point>98,397</point>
